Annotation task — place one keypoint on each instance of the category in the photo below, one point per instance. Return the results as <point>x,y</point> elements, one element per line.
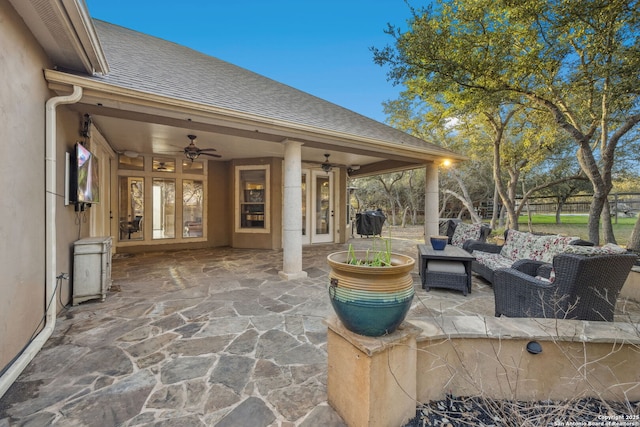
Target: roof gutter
<point>27,355</point>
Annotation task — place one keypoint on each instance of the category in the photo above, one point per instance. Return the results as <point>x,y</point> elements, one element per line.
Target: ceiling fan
<point>192,152</point>
<point>326,166</point>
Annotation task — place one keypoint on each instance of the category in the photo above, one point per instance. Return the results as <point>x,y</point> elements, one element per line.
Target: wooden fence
<point>622,204</point>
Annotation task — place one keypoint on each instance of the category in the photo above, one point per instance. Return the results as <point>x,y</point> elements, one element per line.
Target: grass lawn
<point>574,225</point>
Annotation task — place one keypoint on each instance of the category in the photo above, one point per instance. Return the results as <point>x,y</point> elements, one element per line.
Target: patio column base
<point>293,276</point>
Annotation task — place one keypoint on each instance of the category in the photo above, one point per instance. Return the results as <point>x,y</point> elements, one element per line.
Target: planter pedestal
<point>371,382</point>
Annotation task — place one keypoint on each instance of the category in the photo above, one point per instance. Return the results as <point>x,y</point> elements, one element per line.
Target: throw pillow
<point>464,232</point>
<point>607,249</point>
<point>513,245</point>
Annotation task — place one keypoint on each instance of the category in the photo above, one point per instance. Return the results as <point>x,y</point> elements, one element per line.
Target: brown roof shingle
<point>141,62</point>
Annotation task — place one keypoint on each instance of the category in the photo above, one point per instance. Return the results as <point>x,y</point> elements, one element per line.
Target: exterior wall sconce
<point>352,169</point>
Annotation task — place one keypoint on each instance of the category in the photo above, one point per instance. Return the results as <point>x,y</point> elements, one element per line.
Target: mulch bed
<point>478,411</point>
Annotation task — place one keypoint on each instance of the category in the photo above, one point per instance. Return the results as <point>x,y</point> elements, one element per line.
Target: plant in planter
<point>371,290</point>
<point>374,257</point>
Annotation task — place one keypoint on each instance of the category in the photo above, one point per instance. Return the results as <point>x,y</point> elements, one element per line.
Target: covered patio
<point>153,146</point>
<point>207,337</point>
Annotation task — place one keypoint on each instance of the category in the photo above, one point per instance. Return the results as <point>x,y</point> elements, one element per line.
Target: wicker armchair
<point>585,287</point>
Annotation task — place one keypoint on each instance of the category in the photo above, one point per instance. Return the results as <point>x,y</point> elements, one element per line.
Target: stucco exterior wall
<point>23,93</point>
<point>219,221</point>
<point>70,225</point>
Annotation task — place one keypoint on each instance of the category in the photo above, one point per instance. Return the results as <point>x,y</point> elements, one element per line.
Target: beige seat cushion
<point>446,266</point>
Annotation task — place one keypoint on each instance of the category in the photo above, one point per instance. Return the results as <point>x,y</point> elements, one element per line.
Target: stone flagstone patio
<point>209,337</point>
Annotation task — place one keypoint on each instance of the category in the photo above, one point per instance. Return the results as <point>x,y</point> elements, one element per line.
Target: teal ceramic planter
<point>372,319</point>
<point>345,294</point>
<point>371,301</point>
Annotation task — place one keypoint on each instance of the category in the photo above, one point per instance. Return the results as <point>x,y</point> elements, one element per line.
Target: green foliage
<point>572,66</point>
<point>393,193</point>
<point>628,182</point>
<point>377,256</point>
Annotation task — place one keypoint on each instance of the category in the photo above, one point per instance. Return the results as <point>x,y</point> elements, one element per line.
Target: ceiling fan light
<point>326,166</point>
<point>191,155</point>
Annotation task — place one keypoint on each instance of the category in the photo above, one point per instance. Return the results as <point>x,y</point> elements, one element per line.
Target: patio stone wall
<point>474,355</point>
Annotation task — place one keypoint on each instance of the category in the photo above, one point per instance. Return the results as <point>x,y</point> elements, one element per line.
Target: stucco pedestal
<point>372,380</point>
<point>378,381</point>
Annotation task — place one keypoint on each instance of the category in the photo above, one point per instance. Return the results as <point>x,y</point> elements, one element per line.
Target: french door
<point>317,207</point>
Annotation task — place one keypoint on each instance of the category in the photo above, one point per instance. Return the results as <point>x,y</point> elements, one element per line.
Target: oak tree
<point>579,62</point>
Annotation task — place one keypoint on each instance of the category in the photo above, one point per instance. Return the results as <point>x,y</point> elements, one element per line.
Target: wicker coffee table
<point>449,268</point>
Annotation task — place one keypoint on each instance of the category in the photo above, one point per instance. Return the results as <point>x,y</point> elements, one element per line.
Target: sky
<point>318,46</point>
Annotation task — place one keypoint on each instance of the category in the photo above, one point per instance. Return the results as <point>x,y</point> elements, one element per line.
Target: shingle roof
<point>141,62</point>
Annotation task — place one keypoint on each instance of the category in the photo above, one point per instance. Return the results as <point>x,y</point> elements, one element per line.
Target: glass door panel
<point>192,207</point>
<point>164,208</point>
<point>131,209</point>
<point>322,207</point>
<point>305,203</point>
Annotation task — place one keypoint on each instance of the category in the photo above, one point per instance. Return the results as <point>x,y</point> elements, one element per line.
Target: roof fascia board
<point>72,17</point>
<point>93,88</point>
<point>87,42</point>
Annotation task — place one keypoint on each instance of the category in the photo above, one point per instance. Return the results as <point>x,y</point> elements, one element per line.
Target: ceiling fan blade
<point>210,154</point>
<point>208,149</point>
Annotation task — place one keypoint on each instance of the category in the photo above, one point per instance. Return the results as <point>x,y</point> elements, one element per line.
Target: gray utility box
<point>91,269</point>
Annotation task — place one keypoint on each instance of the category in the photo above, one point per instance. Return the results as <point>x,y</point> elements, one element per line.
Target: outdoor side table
<point>450,268</point>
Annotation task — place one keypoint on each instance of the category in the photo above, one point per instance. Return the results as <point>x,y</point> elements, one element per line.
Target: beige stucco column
<point>431,201</point>
<point>291,215</point>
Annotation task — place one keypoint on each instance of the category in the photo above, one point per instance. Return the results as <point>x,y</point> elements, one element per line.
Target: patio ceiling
<point>160,138</point>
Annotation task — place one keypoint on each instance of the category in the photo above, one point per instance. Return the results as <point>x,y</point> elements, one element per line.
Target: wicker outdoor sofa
<point>518,247</point>
<point>575,286</point>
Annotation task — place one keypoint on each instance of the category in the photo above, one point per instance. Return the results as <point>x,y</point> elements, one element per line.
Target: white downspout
<point>50,240</point>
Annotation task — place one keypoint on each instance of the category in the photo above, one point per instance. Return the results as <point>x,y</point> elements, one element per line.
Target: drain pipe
<point>36,344</point>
